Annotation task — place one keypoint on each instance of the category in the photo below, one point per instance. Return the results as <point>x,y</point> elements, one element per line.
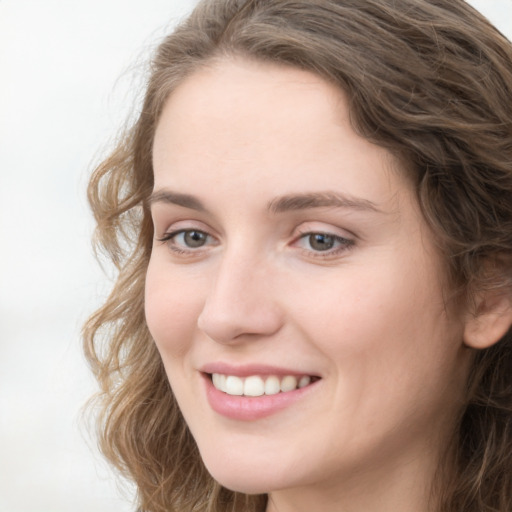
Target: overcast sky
<point>67,69</point>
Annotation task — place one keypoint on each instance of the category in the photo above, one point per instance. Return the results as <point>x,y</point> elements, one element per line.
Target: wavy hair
<point>431,81</point>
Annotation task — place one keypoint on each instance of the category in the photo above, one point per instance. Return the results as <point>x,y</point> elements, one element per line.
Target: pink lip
<point>245,408</point>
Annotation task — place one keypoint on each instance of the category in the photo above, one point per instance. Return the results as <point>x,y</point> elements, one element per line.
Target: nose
<point>241,303</point>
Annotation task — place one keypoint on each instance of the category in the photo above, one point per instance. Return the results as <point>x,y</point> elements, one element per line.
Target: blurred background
<point>70,76</point>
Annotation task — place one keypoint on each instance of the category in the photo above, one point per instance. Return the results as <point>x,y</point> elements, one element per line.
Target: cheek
<point>367,309</point>
<point>172,309</point>
<point>385,327</point>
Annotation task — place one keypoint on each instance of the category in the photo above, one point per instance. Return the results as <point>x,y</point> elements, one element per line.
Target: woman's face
<point>292,263</point>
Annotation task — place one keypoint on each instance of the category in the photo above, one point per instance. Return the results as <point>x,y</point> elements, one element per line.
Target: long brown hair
<point>431,81</point>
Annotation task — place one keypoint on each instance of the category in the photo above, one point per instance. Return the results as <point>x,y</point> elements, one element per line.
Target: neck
<point>402,487</point>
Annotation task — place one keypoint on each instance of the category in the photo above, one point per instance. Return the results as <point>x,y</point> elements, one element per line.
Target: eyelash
<point>344,244</point>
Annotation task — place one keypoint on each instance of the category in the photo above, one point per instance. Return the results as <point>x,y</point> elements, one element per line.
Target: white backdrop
<point>66,85</point>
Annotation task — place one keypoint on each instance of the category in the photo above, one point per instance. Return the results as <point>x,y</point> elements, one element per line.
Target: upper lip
<point>247,370</point>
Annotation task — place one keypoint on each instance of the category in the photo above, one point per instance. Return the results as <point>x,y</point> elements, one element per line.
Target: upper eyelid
<point>329,230</point>
<point>303,229</point>
<point>323,232</point>
<point>164,226</point>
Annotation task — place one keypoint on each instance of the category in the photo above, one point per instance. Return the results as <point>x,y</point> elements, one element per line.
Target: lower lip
<point>252,408</point>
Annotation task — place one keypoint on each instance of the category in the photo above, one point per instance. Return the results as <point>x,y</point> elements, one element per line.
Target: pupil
<point>321,242</point>
<point>195,238</point>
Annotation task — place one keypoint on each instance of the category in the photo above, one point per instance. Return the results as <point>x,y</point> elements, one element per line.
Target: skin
<point>367,316</point>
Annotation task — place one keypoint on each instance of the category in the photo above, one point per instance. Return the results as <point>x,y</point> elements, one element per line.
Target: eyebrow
<point>289,202</point>
<point>293,202</point>
<point>177,198</point>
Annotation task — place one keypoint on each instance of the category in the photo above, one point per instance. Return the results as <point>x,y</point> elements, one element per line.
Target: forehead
<point>248,99</point>
<point>267,122</point>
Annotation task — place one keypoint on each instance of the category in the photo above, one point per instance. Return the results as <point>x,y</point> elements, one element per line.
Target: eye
<point>192,238</point>
<point>321,241</point>
<point>324,244</point>
<point>185,240</point>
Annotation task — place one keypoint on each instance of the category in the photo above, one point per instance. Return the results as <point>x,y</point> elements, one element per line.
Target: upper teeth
<point>256,385</point>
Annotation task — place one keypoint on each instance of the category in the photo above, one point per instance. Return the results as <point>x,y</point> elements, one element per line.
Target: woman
<point>312,223</point>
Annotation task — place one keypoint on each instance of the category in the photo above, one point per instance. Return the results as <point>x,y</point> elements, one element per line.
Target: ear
<point>490,320</point>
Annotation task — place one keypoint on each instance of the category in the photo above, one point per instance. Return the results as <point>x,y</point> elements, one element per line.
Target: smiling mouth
<point>255,385</point>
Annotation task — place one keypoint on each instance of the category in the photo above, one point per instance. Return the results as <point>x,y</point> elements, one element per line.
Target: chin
<point>243,486</point>
<point>247,479</point>
<point>246,484</point>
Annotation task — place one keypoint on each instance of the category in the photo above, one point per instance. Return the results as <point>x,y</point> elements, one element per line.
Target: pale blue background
<point>66,84</point>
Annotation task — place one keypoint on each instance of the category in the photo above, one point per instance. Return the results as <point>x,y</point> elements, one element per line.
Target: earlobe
<point>490,321</point>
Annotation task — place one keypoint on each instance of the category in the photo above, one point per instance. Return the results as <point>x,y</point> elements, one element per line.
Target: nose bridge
<point>240,299</point>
